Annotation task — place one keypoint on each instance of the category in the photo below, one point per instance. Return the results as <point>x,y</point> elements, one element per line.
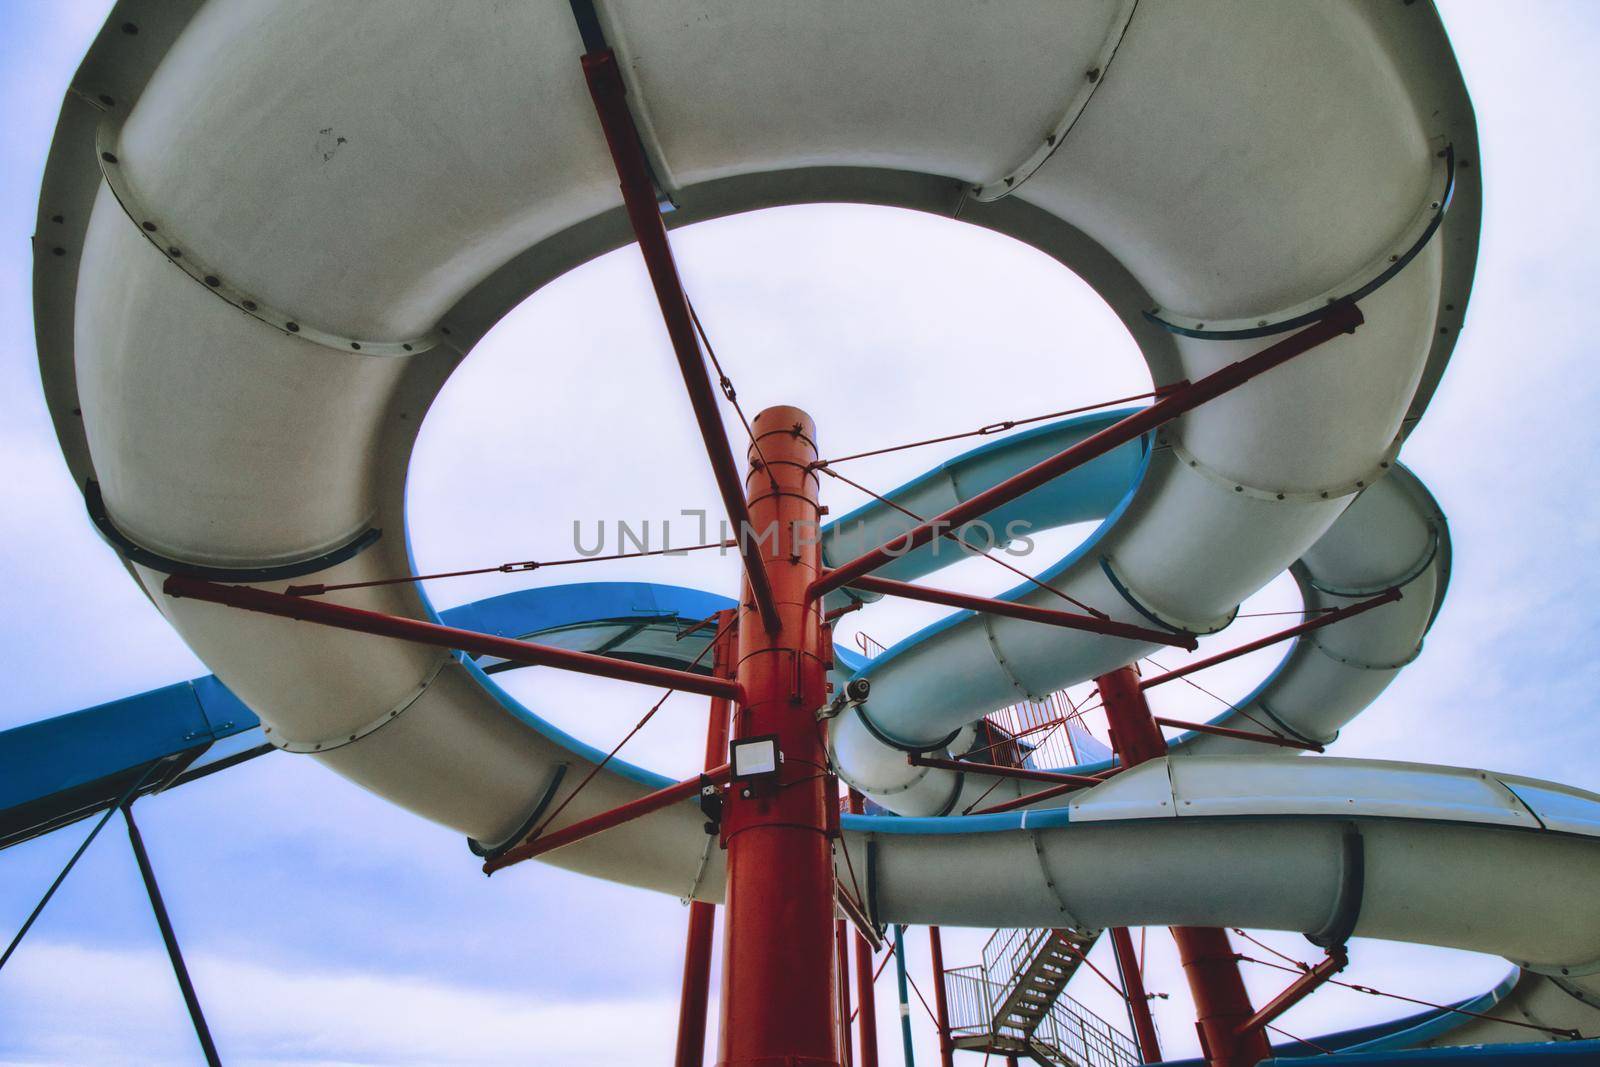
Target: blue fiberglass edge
<point>1091,489</point>
<point>1414,1030</point>
<point>1392,1035</point>
<point>570,604</point>
<point>1122,501</point>
<point>555,606</point>
<point>1087,494</point>
<point>1532,1054</point>
<point>61,753</point>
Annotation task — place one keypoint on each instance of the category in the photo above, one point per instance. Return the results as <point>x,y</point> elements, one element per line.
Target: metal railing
<point>1043,734</point>
<point>1070,1031</point>
<point>1008,953</point>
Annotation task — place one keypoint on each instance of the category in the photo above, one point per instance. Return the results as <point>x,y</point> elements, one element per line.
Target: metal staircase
<point>1042,981</point>
<point>1015,1003</point>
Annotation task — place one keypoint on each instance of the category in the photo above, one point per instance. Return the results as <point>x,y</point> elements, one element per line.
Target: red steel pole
<point>644,215</point>
<point>867,1008</point>
<point>941,1007</point>
<point>1209,963</point>
<point>1144,1026</point>
<point>1180,398</point>
<point>703,914</point>
<point>841,961</point>
<point>779,993</point>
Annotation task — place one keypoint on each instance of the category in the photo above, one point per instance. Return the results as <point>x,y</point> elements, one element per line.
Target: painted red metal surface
<point>1175,401</point>
<point>866,999</point>
<point>1221,1004</point>
<point>779,992</point>
<point>1002,771</point>
<point>608,820</point>
<point>1030,798</point>
<point>431,633</point>
<point>841,963</point>
<point>644,215</point>
<point>1388,596</point>
<point>1238,735</point>
<point>692,1002</point>
<point>941,1007</point>
<point>1209,963</point>
<point>1302,987</point>
<point>1144,1026</point>
<point>1049,616</point>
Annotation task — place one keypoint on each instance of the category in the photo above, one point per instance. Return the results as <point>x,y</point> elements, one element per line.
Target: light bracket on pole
<point>755,759</point>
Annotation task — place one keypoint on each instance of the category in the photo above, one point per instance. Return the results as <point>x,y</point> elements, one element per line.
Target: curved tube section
<point>1391,536</point>
<point>267,419</point>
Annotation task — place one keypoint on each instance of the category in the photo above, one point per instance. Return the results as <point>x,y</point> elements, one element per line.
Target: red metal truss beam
<point>1297,991</point>
<point>1010,610</point>
<point>1238,735</point>
<point>644,215</point>
<point>1033,798</point>
<point>1175,401</point>
<point>1001,771</point>
<point>1388,596</point>
<point>430,633</point>
<point>607,820</point>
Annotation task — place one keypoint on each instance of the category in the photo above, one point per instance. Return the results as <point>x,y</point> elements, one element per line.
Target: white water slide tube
<point>270,229</point>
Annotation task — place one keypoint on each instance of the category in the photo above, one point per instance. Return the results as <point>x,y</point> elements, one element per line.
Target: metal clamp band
<point>1341,922</point>
<point>136,553</point>
<point>903,746</point>
<point>558,772</point>
<point>1376,272</point>
<point>1408,576</point>
<point>1282,724</point>
<point>1133,602</point>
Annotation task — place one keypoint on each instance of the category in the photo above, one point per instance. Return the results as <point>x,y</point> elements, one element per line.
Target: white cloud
<point>92,1005</point>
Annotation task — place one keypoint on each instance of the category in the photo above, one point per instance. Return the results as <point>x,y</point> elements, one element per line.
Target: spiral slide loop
<point>335,224</point>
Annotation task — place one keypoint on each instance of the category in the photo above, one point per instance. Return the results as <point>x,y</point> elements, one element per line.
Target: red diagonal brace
<point>1012,610</point>
<point>1027,774</point>
<point>430,633</point>
<point>644,215</point>
<point>1184,397</point>
<point>606,820</point>
<point>1388,596</point>
<point>1297,991</point>
<point>1033,798</point>
<point>1238,735</point>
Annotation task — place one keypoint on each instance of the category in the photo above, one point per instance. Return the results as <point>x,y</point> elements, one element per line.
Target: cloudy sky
<point>326,927</point>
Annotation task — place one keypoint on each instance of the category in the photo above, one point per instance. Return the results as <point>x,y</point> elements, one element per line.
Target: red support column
<point>696,985</point>
<point>779,994</point>
<point>941,1007</point>
<point>703,914</point>
<point>1144,1027</point>
<point>841,960</point>
<point>1221,1003</point>
<point>867,1008</point>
